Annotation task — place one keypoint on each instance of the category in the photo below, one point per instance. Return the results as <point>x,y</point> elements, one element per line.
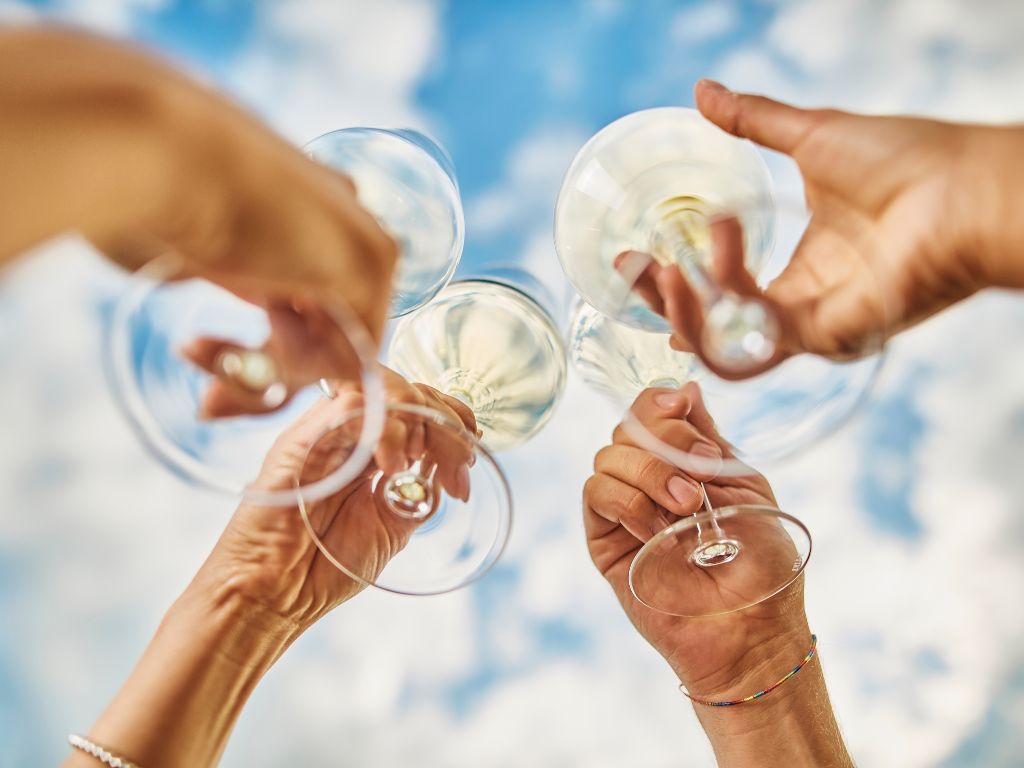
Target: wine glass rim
<point>504,496</point>
<point>446,164</point>
<point>719,513</point>
<point>439,156</point>
<point>142,284</point>
<point>519,291</point>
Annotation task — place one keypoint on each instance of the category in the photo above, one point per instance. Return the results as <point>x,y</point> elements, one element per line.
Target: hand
<point>633,495</point>
<point>268,556</point>
<point>102,139</point>
<point>910,216</point>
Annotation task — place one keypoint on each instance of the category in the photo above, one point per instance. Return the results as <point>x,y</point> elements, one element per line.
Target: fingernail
<point>417,441</point>
<point>462,481</point>
<point>668,401</point>
<point>712,85</point>
<point>682,490</point>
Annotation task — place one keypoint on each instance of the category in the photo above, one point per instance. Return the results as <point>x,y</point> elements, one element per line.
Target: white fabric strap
<point>105,757</point>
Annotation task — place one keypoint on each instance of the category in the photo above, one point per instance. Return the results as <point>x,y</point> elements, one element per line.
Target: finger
<point>702,420</point>
<point>247,379</point>
<point>417,444</point>
<point>659,480</point>
<point>770,123</point>
<point>451,449</point>
<point>222,400</point>
<point>656,403</point>
<point>728,264</point>
<point>640,271</point>
<point>661,418</point>
<point>457,407</point>
<point>393,448</point>
<point>682,305</point>
<point>680,343</point>
<point>622,504</point>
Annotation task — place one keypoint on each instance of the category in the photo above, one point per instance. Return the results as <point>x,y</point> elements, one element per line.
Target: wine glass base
<point>717,552</point>
<point>408,494</point>
<point>722,561</point>
<point>405,532</point>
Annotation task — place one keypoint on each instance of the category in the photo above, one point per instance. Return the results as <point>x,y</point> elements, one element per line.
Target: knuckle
<point>636,504</point>
<point>650,466</point>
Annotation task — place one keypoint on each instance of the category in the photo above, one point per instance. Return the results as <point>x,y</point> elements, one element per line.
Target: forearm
<point>90,142</point>
<point>181,701</point>
<point>993,187</point>
<point>793,725</point>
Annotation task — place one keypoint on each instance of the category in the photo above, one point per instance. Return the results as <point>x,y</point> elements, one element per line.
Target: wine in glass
<point>490,342</point>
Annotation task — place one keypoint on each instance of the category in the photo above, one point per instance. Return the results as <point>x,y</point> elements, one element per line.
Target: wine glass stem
<point>719,534</point>
<point>680,234</point>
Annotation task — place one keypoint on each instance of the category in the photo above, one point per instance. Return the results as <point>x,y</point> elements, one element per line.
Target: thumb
<point>769,123</point>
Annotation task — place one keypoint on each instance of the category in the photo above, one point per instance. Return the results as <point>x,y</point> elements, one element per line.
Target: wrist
<point>221,614</point>
<point>791,725</point>
<point>993,170</point>
<point>764,655</point>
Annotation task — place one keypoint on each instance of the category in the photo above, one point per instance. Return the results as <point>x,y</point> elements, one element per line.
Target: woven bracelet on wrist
<point>105,757</point>
<point>709,703</point>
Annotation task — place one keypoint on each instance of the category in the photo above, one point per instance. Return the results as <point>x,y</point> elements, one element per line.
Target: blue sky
<point>532,665</point>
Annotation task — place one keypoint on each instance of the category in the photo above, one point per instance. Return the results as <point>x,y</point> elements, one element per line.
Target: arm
<point>793,725</point>
<point>181,701</point>
<point>100,138</point>
<point>262,586</point>
<point>632,495</point>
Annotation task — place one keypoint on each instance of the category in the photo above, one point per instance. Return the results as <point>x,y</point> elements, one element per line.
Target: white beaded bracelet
<point>107,758</point>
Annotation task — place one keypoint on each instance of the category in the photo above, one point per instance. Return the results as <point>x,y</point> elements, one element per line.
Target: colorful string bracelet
<point>709,703</point>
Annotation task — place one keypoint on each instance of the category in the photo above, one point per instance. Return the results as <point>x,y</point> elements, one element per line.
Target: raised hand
<point>633,495</point>
<point>909,216</point>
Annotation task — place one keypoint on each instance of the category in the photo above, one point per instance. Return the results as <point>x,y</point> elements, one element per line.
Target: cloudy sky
<point>917,506</point>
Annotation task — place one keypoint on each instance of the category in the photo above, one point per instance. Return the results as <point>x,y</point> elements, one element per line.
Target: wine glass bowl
<point>407,181</point>
<point>492,346</point>
<point>163,394</point>
<point>648,182</point>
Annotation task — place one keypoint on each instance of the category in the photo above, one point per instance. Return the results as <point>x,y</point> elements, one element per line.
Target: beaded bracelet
<point>759,694</point>
<point>105,757</point>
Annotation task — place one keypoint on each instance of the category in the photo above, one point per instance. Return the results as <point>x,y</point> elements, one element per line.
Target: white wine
<point>647,183</point>
<point>492,347</point>
<point>622,361</point>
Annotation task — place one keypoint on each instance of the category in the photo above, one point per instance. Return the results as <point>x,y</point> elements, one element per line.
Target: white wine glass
<point>434,524</point>
<point>663,194</point>
<point>406,181</point>
<point>491,341</point>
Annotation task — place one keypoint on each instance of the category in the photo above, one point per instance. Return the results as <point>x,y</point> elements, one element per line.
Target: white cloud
<point>703,22</point>
<point>316,65</point>
<point>106,538</point>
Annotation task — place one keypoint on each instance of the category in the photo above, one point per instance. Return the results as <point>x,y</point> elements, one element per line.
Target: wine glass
<point>491,342</point>
<point>435,524</point>
<point>406,181</point>
<point>663,193</point>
